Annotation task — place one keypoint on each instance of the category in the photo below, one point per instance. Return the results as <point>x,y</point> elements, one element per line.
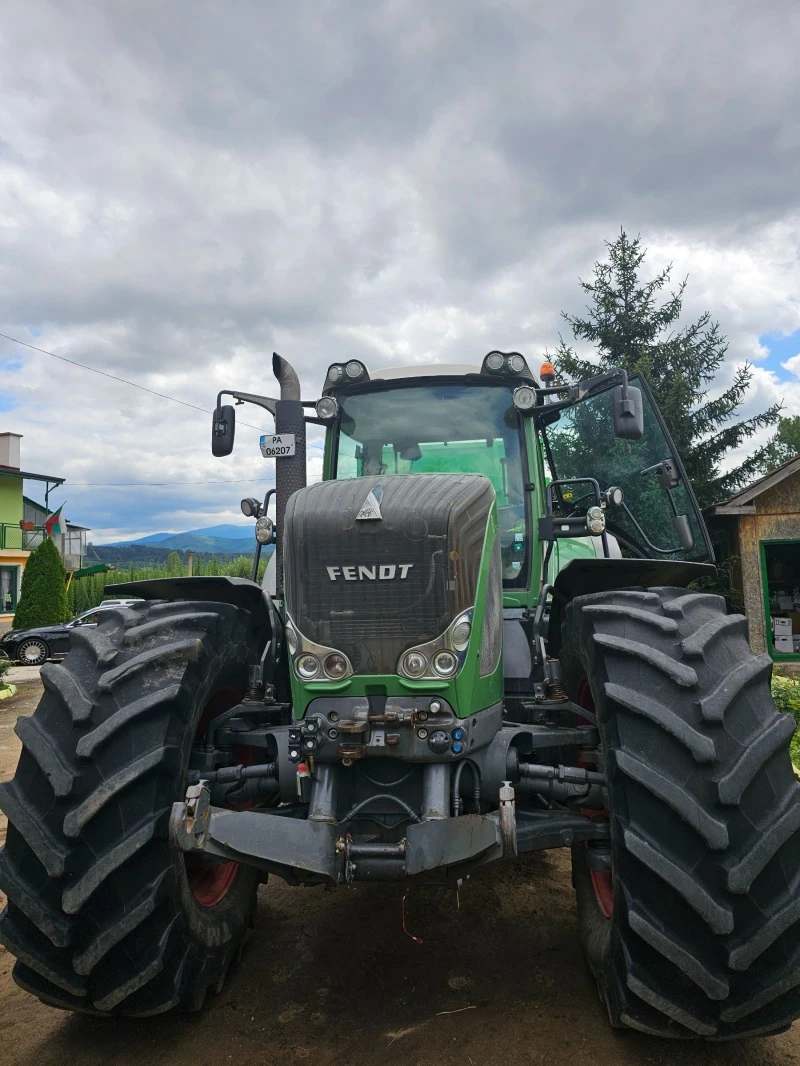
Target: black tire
<point>23,649</point>
<point>704,938</point>
<point>100,913</point>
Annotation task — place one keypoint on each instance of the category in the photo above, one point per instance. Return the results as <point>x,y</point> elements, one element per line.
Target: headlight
<point>354,369</point>
<point>264,530</point>
<point>524,398</point>
<point>307,666</point>
<point>445,663</point>
<point>291,638</point>
<point>460,635</point>
<point>414,664</point>
<point>516,363</point>
<point>335,666</point>
<point>327,408</point>
<point>494,361</point>
<point>595,520</point>
<point>334,374</point>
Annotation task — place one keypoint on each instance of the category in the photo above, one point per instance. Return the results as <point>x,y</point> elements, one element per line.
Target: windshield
<point>582,444</point>
<point>443,428</point>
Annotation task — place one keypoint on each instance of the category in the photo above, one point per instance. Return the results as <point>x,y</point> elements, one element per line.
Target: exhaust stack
<point>290,472</point>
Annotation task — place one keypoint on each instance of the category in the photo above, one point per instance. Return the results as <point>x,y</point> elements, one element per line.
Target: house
<point>760,527</point>
<point>22,525</point>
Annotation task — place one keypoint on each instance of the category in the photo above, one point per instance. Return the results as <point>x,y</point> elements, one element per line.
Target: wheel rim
<point>210,880</point>
<point>32,654</point>
<point>602,880</point>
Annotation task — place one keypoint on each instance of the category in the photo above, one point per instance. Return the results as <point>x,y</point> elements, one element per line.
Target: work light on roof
<point>355,370</point>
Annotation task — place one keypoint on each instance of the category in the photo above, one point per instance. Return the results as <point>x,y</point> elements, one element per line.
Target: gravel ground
<point>331,978</point>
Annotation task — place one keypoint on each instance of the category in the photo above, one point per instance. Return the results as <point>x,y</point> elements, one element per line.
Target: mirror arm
<point>267,402</point>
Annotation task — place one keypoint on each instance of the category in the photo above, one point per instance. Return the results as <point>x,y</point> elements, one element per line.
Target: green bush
<point>786,694</point>
<point>43,596</point>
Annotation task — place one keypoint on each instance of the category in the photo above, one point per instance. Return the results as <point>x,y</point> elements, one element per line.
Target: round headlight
<point>615,495</point>
<point>516,363</point>
<point>250,507</point>
<point>595,520</point>
<point>307,666</point>
<point>264,530</point>
<point>414,664</point>
<point>460,635</point>
<point>354,369</point>
<point>524,398</point>
<point>335,374</point>
<point>494,361</point>
<point>445,663</point>
<point>327,408</point>
<point>335,666</point>
<point>291,638</point>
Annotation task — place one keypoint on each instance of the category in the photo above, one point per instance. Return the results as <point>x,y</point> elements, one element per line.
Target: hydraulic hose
<point>476,787</point>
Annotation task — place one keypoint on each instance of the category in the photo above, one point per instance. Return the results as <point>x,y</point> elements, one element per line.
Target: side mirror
<point>223,427</point>
<point>628,413</point>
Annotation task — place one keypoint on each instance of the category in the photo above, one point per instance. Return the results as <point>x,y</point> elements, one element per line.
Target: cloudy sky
<point>185,187</point>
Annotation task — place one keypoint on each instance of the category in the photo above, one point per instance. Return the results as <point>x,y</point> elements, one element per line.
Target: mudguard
<point>582,577</point>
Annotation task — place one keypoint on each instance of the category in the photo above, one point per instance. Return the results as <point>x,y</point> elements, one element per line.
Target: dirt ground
<point>332,978</point>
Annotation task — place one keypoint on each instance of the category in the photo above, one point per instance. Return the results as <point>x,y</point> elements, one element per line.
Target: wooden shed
<point>761,528</point>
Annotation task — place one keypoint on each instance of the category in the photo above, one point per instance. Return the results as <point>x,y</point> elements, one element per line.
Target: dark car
<point>31,647</point>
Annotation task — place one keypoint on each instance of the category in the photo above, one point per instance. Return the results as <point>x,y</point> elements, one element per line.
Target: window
<point>9,583</point>
<point>582,444</point>
<point>444,428</point>
<point>780,568</point>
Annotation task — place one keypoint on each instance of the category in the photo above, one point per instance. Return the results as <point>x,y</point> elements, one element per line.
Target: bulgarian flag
<point>52,524</point>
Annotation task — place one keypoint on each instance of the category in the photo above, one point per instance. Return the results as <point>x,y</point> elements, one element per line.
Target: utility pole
<point>189,560</point>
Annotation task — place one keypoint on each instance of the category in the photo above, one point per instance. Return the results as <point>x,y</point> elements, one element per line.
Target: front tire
<point>32,652</point>
<point>699,935</point>
<point>105,916</point>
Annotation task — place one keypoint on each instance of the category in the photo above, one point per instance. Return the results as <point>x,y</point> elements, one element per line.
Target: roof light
<point>334,374</point>
<point>516,363</point>
<point>547,372</point>
<point>354,369</point>
<point>495,361</point>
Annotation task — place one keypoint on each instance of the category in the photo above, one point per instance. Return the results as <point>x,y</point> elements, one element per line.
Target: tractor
<point>486,631</point>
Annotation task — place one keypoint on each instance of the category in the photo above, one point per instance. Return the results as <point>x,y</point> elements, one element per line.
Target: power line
<point>115,377</point>
<point>142,484</point>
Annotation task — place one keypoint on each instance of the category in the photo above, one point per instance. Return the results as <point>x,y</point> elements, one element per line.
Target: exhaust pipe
<point>290,472</point>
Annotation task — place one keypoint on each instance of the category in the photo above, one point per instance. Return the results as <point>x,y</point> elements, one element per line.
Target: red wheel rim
<point>210,882</point>
<point>602,880</point>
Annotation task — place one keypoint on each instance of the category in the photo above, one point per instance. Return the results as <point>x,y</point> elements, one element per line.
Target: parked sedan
<point>31,647</point>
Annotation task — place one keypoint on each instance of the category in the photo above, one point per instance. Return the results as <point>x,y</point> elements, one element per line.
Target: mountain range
<point>225,538</point>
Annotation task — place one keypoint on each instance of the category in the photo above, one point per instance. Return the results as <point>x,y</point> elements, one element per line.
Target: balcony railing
<point>13,536</point>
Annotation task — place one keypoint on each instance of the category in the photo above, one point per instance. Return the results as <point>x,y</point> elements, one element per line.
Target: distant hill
<point>136,555</point>
<point>226,539</point>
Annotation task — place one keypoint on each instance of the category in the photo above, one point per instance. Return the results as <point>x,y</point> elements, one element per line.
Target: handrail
<point>13,536</point>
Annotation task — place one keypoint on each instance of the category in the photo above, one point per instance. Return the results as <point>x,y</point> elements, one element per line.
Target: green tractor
<point>477,637</point>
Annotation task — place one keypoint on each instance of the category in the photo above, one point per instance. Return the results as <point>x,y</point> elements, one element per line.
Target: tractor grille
<point>374,588</point>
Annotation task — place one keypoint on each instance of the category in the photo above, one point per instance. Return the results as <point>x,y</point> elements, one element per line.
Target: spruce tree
<point>43,596</point>
<point>634,327</point>
<point>786,443</point>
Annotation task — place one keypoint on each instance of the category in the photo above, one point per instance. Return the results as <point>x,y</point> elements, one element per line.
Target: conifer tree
<point>43,596</point>
<point>635,327</point>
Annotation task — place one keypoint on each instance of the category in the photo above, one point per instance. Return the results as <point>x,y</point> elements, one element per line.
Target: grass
<point>786,693</point>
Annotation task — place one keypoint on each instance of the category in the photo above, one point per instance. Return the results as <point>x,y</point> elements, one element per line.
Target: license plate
<point>277,445</point>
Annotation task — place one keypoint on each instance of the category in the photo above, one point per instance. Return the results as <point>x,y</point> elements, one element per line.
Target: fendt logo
<point>387,572</point>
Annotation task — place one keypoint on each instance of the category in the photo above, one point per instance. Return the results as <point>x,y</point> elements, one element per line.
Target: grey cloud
<point>185,187</point>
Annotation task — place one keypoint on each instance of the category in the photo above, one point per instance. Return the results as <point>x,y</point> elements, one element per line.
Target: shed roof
<point>743,502</point>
